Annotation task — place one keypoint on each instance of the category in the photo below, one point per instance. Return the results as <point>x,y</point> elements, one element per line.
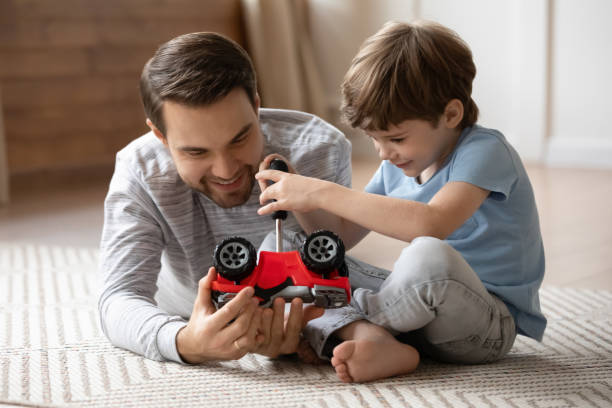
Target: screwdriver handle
<point>278,164</point>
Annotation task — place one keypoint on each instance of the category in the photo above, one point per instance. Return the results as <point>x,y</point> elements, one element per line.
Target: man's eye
<point>239,139</point>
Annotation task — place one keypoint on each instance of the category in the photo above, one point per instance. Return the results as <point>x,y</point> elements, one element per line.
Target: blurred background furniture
<point>69,72</point>
<point>4,173</point>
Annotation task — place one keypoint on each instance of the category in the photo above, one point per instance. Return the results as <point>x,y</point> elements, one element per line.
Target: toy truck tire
<point>322,251</point>
<point>234,258</point>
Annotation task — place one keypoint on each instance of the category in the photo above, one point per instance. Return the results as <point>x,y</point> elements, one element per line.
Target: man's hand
<point>225,334</point>
<point>282,335</point>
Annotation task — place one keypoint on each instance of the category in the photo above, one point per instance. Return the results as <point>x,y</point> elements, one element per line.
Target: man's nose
<point>225,166</point>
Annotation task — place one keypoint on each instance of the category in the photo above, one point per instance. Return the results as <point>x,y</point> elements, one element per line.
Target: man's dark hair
<point>195,69</point>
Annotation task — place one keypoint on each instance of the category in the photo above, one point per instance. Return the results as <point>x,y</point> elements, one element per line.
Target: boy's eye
<point>397,140</point>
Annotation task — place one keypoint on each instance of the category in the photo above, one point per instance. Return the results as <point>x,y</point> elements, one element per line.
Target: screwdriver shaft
<point>279,235</point>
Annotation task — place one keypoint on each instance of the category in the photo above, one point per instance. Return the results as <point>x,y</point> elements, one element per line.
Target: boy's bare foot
<point>371,353</point>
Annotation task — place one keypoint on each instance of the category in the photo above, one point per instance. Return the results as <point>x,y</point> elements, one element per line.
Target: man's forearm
<point>133,323</point>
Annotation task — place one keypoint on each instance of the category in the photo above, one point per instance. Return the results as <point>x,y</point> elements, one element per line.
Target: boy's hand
<point>304,196</point>
<point>282,333</point>
<point>225,334</point>
<point>292,192</point>
<point>265,165</point>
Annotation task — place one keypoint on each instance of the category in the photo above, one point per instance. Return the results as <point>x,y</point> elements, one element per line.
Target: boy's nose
<point>384,152</point>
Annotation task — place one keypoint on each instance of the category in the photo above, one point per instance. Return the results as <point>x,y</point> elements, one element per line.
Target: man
<point>184,186</point>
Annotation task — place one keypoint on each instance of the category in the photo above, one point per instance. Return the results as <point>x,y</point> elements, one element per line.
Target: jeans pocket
<point>475,349</point>
<point>499,347</point>
<point>508,332</point>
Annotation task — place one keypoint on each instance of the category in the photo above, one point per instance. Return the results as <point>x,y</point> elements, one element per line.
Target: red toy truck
<point>316,274</point>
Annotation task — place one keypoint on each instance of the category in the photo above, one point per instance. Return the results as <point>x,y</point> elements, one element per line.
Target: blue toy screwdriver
<point>278,164</point>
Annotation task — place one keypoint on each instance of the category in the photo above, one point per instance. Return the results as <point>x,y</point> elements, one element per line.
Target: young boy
<point>456,192</point>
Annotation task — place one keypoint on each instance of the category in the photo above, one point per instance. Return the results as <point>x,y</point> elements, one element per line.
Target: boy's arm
<point>398,218</point>
<point>316,219</point>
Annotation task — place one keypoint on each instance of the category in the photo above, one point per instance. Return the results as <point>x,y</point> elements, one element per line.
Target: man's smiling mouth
<point>228,181</point>
<point>228,185</point>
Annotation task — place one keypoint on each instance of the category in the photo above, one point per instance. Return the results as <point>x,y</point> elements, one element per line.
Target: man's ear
<point>157,132</point>
<point>453,113</point>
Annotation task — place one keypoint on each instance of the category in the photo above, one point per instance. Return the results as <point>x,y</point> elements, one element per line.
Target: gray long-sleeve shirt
<point>159,234</point>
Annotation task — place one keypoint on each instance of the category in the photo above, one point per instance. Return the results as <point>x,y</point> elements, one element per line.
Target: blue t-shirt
<point>501,241</point>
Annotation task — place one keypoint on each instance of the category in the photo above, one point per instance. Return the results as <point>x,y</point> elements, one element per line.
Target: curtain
<point>282,51</point>
<point>4,176</point>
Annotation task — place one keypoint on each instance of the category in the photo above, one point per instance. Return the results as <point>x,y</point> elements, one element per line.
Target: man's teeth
<point>228,182</point>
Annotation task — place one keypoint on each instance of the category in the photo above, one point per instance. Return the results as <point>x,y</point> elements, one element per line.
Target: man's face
<point>216,148</point>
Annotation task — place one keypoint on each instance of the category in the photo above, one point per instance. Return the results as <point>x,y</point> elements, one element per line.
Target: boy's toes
<point>342,373</point>
<point>344,350</point>
<point>341,369</point>
<point>345,379</point>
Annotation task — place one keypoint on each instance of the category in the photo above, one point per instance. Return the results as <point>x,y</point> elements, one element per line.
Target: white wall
<point>581,105</point>
<point>542,66</point>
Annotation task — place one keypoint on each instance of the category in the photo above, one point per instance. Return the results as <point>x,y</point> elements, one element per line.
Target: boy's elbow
<point>434,224</point>
<point>351,234</point>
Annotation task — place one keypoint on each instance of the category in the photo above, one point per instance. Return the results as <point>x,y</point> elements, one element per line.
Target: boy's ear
<point>453,113</point>
<point>157,132</point>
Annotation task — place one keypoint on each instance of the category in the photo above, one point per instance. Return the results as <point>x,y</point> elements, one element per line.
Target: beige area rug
<point>52,353</point>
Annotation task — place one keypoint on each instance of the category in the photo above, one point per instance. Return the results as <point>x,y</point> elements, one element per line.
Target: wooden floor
<point>575,209</point>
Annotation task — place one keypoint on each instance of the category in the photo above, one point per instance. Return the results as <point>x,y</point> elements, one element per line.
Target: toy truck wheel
<point>322,251</point>
<point>234,258</point>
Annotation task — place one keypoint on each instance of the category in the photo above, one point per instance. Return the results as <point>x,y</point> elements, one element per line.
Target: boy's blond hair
<point>408,71</point>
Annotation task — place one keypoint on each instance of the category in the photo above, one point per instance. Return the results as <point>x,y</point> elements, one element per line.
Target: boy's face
<point>415,146</point>
<point>216,148</point>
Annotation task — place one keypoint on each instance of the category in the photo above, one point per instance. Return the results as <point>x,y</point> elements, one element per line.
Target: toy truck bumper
<point>328,297</point>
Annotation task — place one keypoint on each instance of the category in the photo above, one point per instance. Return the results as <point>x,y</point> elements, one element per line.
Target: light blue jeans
<point>432,300</point>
